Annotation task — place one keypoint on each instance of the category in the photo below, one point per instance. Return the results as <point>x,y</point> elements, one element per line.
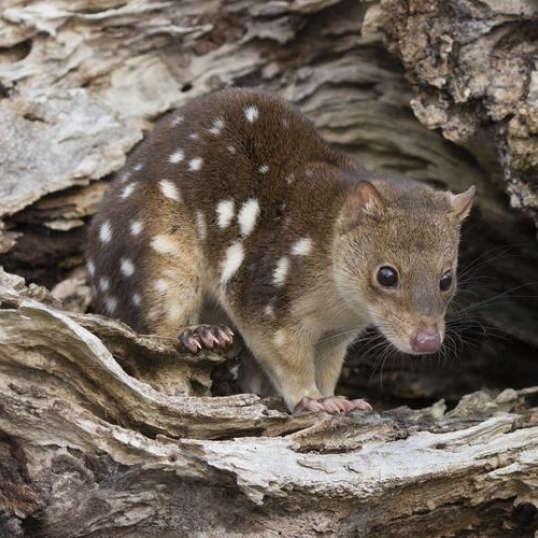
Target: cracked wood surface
<point>97,452</point>
<point>473,64</point>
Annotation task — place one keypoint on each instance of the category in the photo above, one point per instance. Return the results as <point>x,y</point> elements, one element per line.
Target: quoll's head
<point>396,254</point>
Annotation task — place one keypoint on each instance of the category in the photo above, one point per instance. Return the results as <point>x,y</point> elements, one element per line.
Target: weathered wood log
<point>90,451</point>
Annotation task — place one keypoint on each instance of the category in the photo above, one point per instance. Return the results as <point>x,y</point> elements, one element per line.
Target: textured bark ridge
<point>89,450</point>
<point>104,432</point>
<point>473,65</point>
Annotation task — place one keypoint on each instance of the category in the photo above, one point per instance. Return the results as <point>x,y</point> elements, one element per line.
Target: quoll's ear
<point>363,202</point>
<point>461,203</point>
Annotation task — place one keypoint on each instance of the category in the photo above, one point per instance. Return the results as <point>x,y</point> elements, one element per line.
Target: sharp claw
<point>206,336</point>
<point>188,341</point>
<point>227,331</point>
<point>224,338</point>
<point>193,346</point>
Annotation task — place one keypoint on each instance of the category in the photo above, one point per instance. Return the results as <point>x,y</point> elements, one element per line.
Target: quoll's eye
<point>446,281</point>
<point>387,276</point>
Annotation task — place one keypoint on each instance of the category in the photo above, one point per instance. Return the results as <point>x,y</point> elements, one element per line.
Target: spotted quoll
<point>236,199</point>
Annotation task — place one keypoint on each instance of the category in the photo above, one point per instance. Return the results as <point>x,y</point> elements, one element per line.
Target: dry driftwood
<point>95,439</point>
<point>90,451</point>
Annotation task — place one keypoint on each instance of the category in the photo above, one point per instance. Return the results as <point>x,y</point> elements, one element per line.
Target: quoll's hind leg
<point>330,354</point>
<point>173,299</point>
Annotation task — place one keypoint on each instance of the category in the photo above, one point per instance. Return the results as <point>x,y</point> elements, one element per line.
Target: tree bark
<point>472,65</point>
<point>104,432</point>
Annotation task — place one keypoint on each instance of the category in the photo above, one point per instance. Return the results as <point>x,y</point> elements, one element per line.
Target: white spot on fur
<point>235,254</point>
<point>126,267</point>
<point>104,284</point>
<point>105,232</point>
<point>263,169</point>
<point>247,216</point>
<point>290,178</point>
<point>201,225</point>
<point>279,338</point>
<point>137,167</point>
<point>252,113</point>
<point>176,157</point>
<point>195,164</point>
<point>269,311</point>
<point>309,172</point>
<point>302,247</point>
<point>164,245</point>
<point>217,126</point>
<point>127,191</point>
<point>285,123</point>
<point>90,266</point>
<point>194,136</point>
<point>161,285</point>
<point>231,149</point>
<point>281,271</point>
<point>170,190</point>
<point>176,121</point>
<point>225,213</point>
<point>111,304</point>
<point>137,299</point>
<point>136,227</point>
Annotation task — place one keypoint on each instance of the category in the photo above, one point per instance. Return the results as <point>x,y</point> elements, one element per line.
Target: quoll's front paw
<point>332,404</point>
<point>206,337</point>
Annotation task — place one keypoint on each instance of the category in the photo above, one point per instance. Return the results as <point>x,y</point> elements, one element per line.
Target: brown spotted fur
<point>328,295</point>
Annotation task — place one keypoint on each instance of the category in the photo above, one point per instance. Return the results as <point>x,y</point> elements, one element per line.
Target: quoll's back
<point>209,176</point>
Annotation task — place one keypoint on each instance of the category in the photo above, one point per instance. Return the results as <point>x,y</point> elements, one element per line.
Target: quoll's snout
<point>426,340</point>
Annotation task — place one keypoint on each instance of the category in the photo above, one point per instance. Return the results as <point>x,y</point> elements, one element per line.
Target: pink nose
<point>426,341</point>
